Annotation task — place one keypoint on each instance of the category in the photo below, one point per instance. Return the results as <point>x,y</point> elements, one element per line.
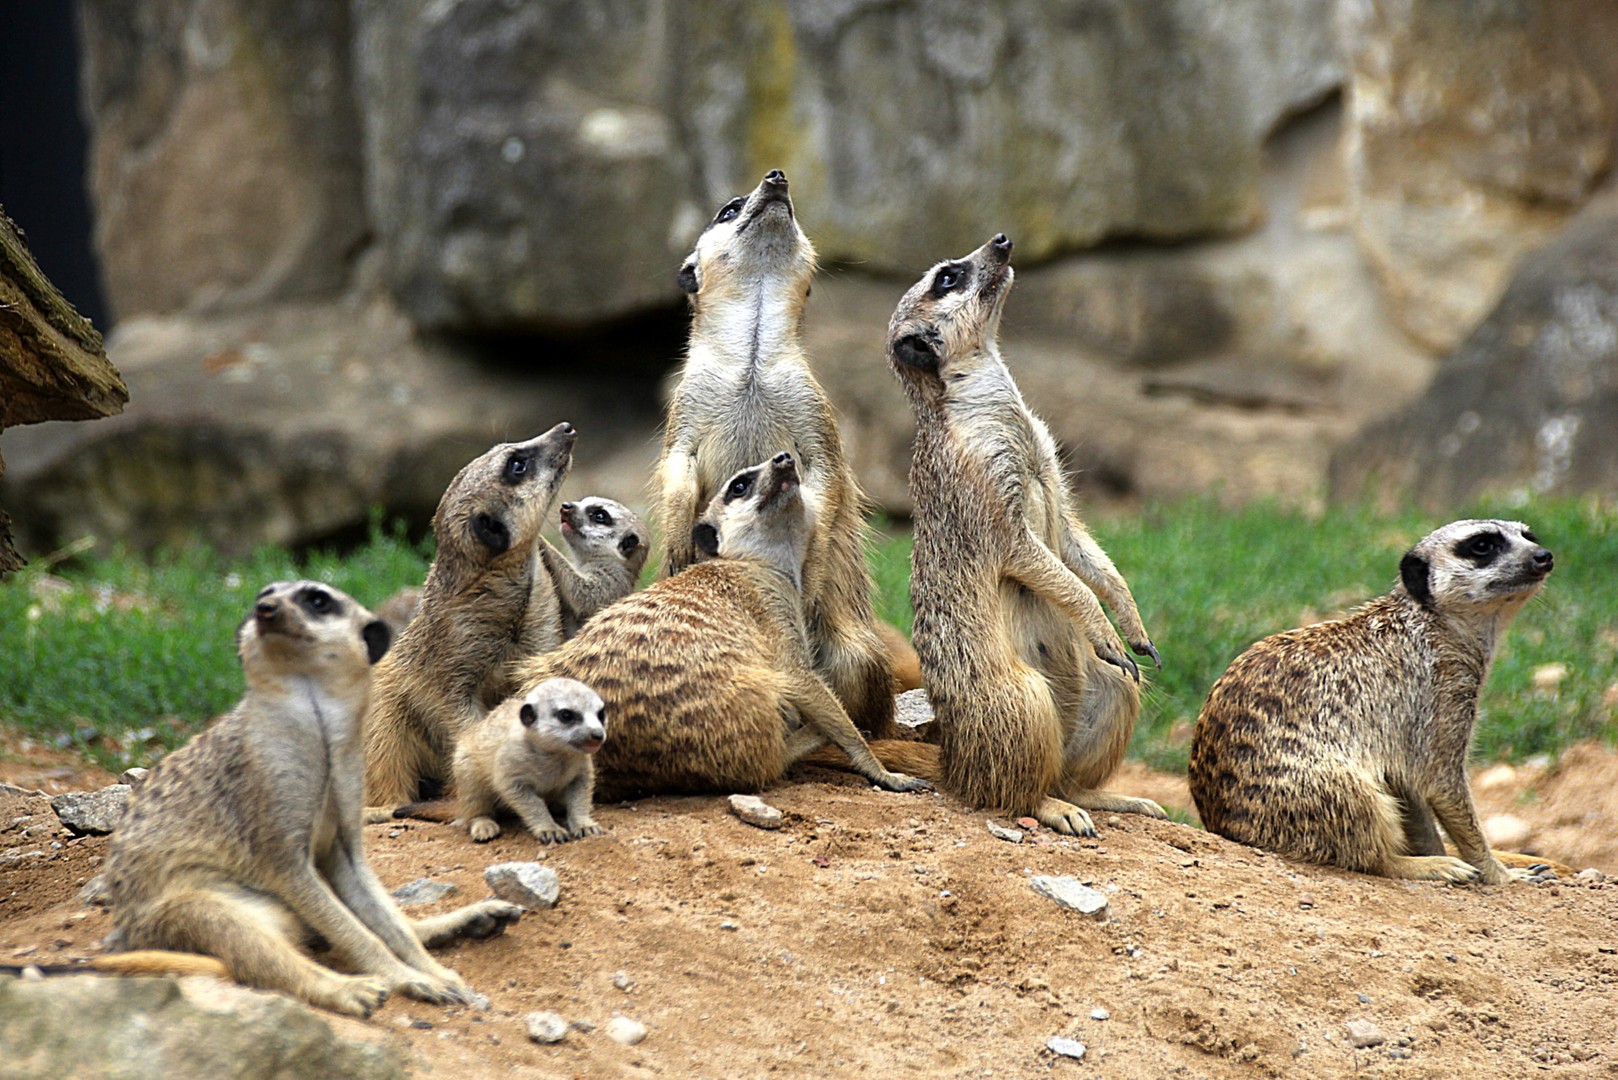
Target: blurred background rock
<point>1299,248</point>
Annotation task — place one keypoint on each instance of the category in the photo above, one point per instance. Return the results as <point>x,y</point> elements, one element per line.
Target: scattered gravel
<point>527,884</point>
<point>1072,895</point>
<point>546,1027</point>
<point>1000,832</point>
<point>756,812</point>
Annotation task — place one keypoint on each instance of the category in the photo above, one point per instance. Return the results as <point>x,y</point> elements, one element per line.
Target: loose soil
<point>880,934</point>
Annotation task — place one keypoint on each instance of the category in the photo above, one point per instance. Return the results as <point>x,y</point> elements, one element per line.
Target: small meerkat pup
<point>606,549</point>
<point>1339,742</point>
<point>488,600</point>
<point>247,840</point>
<point>709,675</point>
<point>532,753</point>
<point>745,392</point>
<point>1034,696</point>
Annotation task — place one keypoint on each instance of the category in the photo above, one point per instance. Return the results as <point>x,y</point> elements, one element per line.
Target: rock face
<point>225,150</point>
<point>1475,129</point>
<point>87,1025</point>
<point>92,812</point>
<point>1529,403</point>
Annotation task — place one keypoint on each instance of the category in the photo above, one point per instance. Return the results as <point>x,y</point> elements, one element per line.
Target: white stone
<point>756,812</point>
<point>621,1029</point>
<point>1072,895</point>
<point>524,883</point>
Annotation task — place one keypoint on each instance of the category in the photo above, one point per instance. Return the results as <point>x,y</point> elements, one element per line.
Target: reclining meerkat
<point>606,544</point>
<point>709,675</point>
<point>247,840</point>
<point>1034,696</point>
<point>745,392</point>
<point>488,600</point>
<point>1339,742</point>
<point>532,753</point>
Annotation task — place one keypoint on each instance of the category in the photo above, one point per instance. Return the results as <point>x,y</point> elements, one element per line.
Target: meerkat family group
<point>530,681</point>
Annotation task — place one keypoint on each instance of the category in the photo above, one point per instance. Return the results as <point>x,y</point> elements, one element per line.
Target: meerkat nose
<point>266,609</point>
<point>1001,241</point>
<point>568,429</point>
<point>775,176</point>
<point>567,508</point>
<point>783,458</point>
<point>1543,559</point>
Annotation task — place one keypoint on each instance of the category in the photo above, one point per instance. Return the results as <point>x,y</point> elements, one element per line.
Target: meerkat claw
<point>1146,648</point>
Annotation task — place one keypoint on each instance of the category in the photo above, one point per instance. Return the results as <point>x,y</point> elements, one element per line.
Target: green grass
<point>136,653</point>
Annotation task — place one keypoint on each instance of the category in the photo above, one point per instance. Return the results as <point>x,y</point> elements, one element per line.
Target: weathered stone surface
<point>1071,894</point>
<point>1475,129</point>
<point>225,150</point>
<point>1528,405</point>
<point>546,1027</point>
<point>424,891</point>
<point>93,812</point>
<point>122,1029</point>
<point>756,812</point>
<point>529,884</point>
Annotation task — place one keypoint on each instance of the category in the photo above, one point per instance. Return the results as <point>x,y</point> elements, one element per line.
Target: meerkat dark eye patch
<point>1413,571</point>
<point>567,717</point>
<point>519,466</point>
<point>528,714</point>
<point>319,602</point>
<point>600,516</point>
<point>1482,548</point>
<point>914,350</point>
<point>628,544</point>
<point>491,532</point>
<point>739,486</point>
<point>377,639</point>
<point>1528,535</point>
<point>687,277</point>
<point>949,278</point>
<point>729,211</point>
<point>705,538</point>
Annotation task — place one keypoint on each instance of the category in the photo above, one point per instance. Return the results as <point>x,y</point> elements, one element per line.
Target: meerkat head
<point>564,714</point>
<point>754,240</point>
<point>304,628</point>
<point>759,513</point>
<point>500,501</point>
<point>597,529</point>
<point>950,317</point>
<point>1485,566</point>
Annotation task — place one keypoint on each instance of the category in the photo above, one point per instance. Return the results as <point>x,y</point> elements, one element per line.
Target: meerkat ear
<point>628,544</point>
<point>687,277</point>
<point>706,539</point>
<point>1413,571</point>
<point>377,638</point>
<point>491,532</point>
<point>528,714</point>
<point>914,350</point>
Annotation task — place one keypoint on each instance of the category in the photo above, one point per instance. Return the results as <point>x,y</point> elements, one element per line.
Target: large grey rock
<point>224,158</point>
<point>93,812</point>
<point>127,1029</point>
<point>1476,127</point>
<point>529,884</point>
<point>1528,405</point>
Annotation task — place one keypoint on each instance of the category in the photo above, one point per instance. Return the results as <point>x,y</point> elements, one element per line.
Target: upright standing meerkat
<point>746,391</point>
<point>530,754</point>
<point>709,675</point>
<point>247,839</point>
<point>1339,742</point>
<point>488,600</point>
<point>1034,696</point>
<point>607,544</point>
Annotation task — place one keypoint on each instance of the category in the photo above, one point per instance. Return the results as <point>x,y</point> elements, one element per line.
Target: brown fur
<point>488,601</point>
<point>708,675</point>
<point>247,840</point>
<point>1034,696</point>
<point>902,658</point>
<point>1340,742</point>
<point>746,392</point>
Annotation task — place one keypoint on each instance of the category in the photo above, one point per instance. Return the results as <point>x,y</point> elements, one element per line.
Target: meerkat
<point>532,753</point>
<point>1339,742</point>
<point>745,392</point>
<point>248,839</point>
<point>709,675</point>
<point>1034,696</point>
<point>606,549</point>
<point>488,600</point>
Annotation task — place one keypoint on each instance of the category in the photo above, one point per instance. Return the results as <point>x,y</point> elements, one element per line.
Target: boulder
<point>1475,130</point>
<point>225,161</point>
<point>95,813</point>
<point>1528,405</point>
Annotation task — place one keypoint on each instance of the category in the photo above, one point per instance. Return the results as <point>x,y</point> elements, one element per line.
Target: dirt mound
<point>886,934</point>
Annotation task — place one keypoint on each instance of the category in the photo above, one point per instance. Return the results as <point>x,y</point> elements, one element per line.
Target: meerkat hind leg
<point>476,922</point>
<point>1093,799</point>
<point>822,713</point>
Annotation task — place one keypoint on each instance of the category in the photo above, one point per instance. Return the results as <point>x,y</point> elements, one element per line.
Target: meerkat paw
<point>489,919</point>
<point>1144,647</point>
<point>1133,804</point>
<point>555,834</point>
<point>356,995</point>
<point>1433,868</point>
<point>898,781</point>
<point>583,829</point>
<point>1537,874</point>
<point>1065,818</point>
<point>450,989</point>
<point>483,829</point>
<point>1119,660</point>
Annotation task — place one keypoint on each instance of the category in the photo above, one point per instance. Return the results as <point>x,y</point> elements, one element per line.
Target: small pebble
<point>1061,1044</point>
<point>1365,999</point>
<point>422,1025</point>
<point>31,973</point>
<point>1363,1034</point>
<point>1071,894</point>
<point>1591,874</point>
<point>913,708</point>
<point>527,884</point>
<point>728,926</point>
<point>1306,900</point>
<point>546,1027</point>
<point>1000,832</point>
<point>621,1029</point>
<point>1028,823</point>
<point>756,812</point>
<point>424,891</point>
<point>1398,1052</point>
<point>621,981</point>
<point>1100,1014</point>
<point>134,776</point>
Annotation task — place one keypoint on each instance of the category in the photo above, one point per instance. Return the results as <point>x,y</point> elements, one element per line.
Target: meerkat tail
<point>156,962</point>
<point>1516,860</point>
<point>918,759</point>
<point>427,810</point>
<point>901,656</point>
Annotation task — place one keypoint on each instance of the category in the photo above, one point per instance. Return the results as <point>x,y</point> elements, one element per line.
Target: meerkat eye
<point>317,602</point>
<point>1482,547</point>
<point>600,516</point>
<point>1528,535</point>
<point>731,209</point>
<point>268,589</point>
<point>739,487</point>
<point>567,717</point>
<point>947,278</point>
<point>516,466</point>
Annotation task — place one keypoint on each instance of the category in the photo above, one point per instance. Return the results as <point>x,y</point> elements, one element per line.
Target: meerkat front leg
<point>679,510</point>
<point>530,806</point>
<point>579,798</point>
<point>1034,566</point>
<point>1452,804</point>
<point>1092,565</point>
<point>821,711</point>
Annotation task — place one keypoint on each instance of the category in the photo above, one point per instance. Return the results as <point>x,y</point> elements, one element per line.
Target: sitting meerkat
<point>1339,742</point>
<point>709,675</point>
<point>606,549</point>
<point>488,600</point>
<point>1034,696</point>
<point>744,393</point>
<point>247,840</point>
<point>532,753</point>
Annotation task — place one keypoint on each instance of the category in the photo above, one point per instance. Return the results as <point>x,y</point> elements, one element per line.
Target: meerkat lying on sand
<point>247,841</point>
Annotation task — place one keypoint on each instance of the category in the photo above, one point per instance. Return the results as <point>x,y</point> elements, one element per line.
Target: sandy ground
<point>889,935</point>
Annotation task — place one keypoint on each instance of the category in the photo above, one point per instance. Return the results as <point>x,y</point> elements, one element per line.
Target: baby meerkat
<point>1339,742</point>
<point>532,753</point>
<point>709,675</point>
<point>1034,696</point>
<point>607,544</point>
<point>745,392</point>
<point>247,840</point>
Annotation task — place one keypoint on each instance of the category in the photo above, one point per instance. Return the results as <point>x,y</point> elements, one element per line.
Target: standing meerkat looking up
<point>745,393</point>
<point>1034,696</point>
<point>532,753</point>
<point>1339,742</point>
<point>247,840</point>
<point>606,545</point>
<point>488,600</point>
<point>708,675</point>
